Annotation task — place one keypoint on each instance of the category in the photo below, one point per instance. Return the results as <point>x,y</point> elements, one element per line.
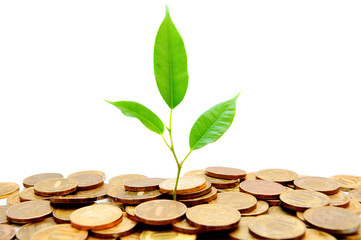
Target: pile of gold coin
<point>216,203</point>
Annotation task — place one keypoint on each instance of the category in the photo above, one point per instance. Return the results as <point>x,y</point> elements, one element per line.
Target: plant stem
<point>176,182</point>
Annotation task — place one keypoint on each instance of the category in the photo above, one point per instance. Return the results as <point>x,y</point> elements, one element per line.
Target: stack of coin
<point>216,203</point>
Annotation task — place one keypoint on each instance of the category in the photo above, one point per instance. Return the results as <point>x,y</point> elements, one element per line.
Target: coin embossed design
<point>202,199</point>
<point>277,227</point>
<point>225,172</point>
<point>28,194</point>
<point>339,199</point>
<point>262,189</point>
<point>320,184</point>
<point>348,182</point>
<point>56,187</point>
<point>242,232</point>
<point>25,232</point>
<point>125,227</point>
<point>160,212</point>
<point>8,188</point>
<point>213,217</point>
<point>7,232</point>
<point>122,179</point>
<point>62,215</point>
<point>146,184</point>
<point>261,208</point>
<point>243,202</point>
<point>185,184</point>
<point>314,234</point>
<point>118,194</point>
<point>333,220</point>
<point>282,176</point>
<point>166,234</point>
<point>34,179</point>
<point>87,181</point>
<point>301,200</point>
<point>60,231</point>
<point>30,211</point>
<point>96,217</point>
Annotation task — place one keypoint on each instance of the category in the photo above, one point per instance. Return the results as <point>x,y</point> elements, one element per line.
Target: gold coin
<point>125,227</point>
<point>146,184</point>
<point>13,199</point>
<point>333,220</point>
<point>96,238</point>
<point>320,184</point>
<point>72,199</point>
<point>225,172</point>
<point>28,194</point>
<point>184,227</point>
<point>133,236</point>
<point>201,199</point>
<point>339,199</point>
<point>7,232</point>
<point>301,200</point>
<point>262,189</point>
<point>96,217</point>
<point>261,208</point>
<point>194,173</point>
<point>242,232</point>
<point>3,210</point>
<point>354,207</point>
<point>60,232</point>
<point>129,209</point>
<point>118,194</point>
<point>355,236</point>
<point>301,216</point>
<point>185,185</point>
<point>122,179</point>
<point>87,181</point>
<point>251,176</point>
<point>166,234</point>
<point>242,202</point>
<point>232,189</point>
<point>89,171</point>
<point>34,179</point>
<point>274,202</point>
<point>220,182</point>
<point>56,187</point>
<point>160,212</point>
<point>28,212</point>
<point>314,234</point>
<point>201,192</point>
<point>355,194</point>
<point>279,210</point>
<point>282,176</point>
<point>8,188</point>
<point>212,217</point>
<point>348,182</point>
<point>277,227</point>
<point>99,193</point>
<point>62,215</point>
<point>27,231</point>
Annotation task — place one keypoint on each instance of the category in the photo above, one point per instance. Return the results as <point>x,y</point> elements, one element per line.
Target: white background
<point>297,64</point>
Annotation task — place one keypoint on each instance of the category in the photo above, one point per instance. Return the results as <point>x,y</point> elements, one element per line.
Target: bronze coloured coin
<point>314,234</point>
<point>354,207</point>
<point>232,189</point>
<point>3,209</point>
<point>160,212</point>
<point>72,199</point>
<point>348,182</point>
<point>56,187</point>
<point>89,171</point>
<point>274,202</point>
<point>62,215</point>
<point>7,232</point>
<point>262,189</point>
<point>242,232</point>
<point>133,236</point>
<point>194,172</point>
<point>166,234</point>
<point>122,179</point>
<point>185,185</point>
<point>301,200</point>
<point>277,227</point>
<point>99,192</point>
<point>201,199</point>
<point>60,231</point>
<point>28,194</point>
<point>28,212</point>
<point>320,184</point>
<point>129,209</point>
<point>27,231</point>
<point>355,194</point>
<point>96,238</point>
<point>333,220</point>
<point>13,199</point>
<point>201,192</point>
<point>279,210</point>
<point>220,182</point>
<point>213,217</point>
<point>8,188</point>
<point>146,184</point>
<point>339,199</point>
<point>243,202</point>
<point>184,227</point>
<point>125,227</point>
<point>34,179</point>
<point>355,236</point>
<point>87,181</point>
<point>251,176</point>
<point>261,208</point>
<point>96,217</point>
<point>282,176</point>
<point>118,194</point>
<point>225,172</point>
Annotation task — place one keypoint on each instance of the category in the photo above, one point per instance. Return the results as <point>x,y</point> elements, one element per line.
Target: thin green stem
<point>166,142</point>
<point>176,183</point>
<point>186,156</point>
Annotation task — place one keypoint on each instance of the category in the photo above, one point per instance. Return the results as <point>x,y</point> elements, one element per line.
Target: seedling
<point>171,75</point>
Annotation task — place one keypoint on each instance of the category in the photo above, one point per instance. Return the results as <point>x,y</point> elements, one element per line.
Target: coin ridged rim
<point>146,184</point>
<point>118,194</point>
<point>39,188</point>
<point>245,202</point>
<point>8,230</point>
<point>93,180</point>
<point>142,214</point>
<point>201,199</point>
<point>338,203</point>
<point>12,215</point>
<point>298,206</point>
<point>306,183</point>
<point>33,179</point>
<point>184,227</point>
<point>225,172</point>
<point>221,182</point>
<point>354,220</point>
<point>255,187</point>
<point>167,186</point>
<point>261,208</point>
<point>196,194</point>
<point>124,228</point>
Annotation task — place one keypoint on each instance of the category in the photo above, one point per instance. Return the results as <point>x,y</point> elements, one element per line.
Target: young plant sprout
<point>171,75</point>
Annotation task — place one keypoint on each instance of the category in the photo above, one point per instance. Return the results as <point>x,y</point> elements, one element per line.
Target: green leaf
<point>170,63</point>
<point>137,110</point>
<point>212,124</point>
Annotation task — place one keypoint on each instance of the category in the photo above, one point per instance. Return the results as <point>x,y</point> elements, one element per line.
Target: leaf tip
<point>166,10</point>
